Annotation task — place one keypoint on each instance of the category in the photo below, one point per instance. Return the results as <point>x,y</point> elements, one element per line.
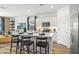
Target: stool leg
<point>21,48</point>
<point>48,48</point>
<point>45,50</point>
<point>40,50</point>
<point>11,48</point>
<point>33,47</point>
<point>16,48</point>
<point>36,49</point>
<point>28,49</point>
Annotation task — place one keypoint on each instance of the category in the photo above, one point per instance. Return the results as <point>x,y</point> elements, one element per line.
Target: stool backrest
<point>25,37</point>
<point>15,38</point>
<point>41,39</point>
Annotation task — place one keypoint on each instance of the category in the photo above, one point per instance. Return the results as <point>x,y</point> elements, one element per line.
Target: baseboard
<point>68,46</point>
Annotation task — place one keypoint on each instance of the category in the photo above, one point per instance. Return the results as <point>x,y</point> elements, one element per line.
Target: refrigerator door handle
<point>72,40</point>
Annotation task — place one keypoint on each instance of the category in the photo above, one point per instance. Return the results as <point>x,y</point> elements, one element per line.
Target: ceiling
<point>28,9</point>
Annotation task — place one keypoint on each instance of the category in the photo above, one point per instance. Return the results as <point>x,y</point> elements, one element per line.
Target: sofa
<point>5,39</point>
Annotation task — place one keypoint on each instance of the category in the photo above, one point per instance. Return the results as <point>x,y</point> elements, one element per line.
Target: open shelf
<point>12,24</point>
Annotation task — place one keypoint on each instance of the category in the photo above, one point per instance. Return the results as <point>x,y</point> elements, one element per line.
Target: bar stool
<point>42,43</point>
<point>26,42</point>
<point>15,39</point>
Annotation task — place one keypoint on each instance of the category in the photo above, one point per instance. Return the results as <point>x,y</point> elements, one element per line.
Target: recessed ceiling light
<point>28,10</point>
<point>3,7</point>
<point>51,6</point>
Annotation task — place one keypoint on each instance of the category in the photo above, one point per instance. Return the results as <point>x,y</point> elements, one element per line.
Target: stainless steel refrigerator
<point>74,34</point>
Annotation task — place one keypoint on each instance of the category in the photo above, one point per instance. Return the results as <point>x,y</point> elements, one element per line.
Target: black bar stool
<point>15,39</point>
<point>42,43</point>
<point>26,42</point>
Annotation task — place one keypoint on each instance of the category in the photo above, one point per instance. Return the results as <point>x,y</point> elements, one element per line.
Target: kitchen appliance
<point>74,49</point>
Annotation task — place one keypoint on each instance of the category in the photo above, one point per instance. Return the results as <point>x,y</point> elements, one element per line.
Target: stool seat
<point>42,44</point>
<point>28,42</point>
<point>16,41</point>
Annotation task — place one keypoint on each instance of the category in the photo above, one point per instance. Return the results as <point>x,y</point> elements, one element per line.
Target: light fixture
<point>41,4</point>
<point>51,6</point>
<point>3,7</point>
<point>46,5</point>
<point>28,10</point>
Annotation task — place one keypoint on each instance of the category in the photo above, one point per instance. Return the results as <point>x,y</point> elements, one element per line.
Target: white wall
<point>74,8</point>
<point>20,19</point>
<point>40,20</point>
<point>46,17</point>
<point>64,26</point>
<point>62,22</point>
<point>50,19</point>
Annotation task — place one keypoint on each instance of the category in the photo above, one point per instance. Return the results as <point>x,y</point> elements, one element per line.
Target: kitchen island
<point>33,36</point>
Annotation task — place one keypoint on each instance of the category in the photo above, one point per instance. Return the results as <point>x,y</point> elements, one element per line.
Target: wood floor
<point>60,49</point>
<point>57,49</point>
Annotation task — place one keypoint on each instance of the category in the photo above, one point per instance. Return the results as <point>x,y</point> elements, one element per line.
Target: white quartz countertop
<point>47,34</point>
